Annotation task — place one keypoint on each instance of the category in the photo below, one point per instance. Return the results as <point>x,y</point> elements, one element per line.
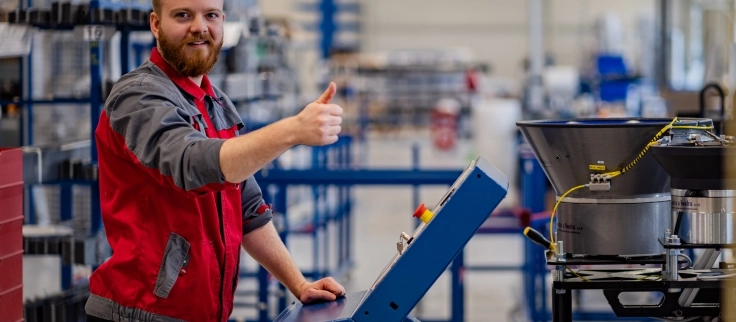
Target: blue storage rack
<point>95,102</point>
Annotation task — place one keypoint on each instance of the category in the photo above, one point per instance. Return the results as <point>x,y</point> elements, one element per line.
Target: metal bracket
<point>668,306</point>
<point>704,261</point>
<point>599,182</point>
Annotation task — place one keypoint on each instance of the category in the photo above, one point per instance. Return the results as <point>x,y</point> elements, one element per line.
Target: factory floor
<point>382,212</point>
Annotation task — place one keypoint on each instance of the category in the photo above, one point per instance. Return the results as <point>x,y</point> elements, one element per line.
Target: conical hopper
<point>567,149</point>
<point>627,219</point>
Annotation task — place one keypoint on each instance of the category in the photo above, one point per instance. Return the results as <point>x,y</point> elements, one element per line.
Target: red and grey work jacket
<point>174,224</point>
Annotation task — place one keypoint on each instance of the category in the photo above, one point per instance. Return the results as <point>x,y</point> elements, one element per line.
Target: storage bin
<point>11,201</point>
<point>11,236</point>
<point>11,166</point>
<point>11,271</point>
<point>11,304</point>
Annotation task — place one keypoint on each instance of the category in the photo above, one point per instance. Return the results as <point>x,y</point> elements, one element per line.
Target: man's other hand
<point>319,122</point>
<point>326,289</point>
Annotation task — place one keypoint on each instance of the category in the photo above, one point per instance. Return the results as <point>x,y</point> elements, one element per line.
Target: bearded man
<point>176,181</point>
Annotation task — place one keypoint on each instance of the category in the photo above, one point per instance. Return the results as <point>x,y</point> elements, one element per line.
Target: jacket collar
<point>183,82</point>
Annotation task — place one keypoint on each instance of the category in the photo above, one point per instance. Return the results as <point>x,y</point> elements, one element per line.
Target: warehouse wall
<point>495,30</point>
<point>277,7</point>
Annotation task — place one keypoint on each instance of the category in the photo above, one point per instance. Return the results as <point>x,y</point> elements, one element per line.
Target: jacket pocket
<point>176,257</point>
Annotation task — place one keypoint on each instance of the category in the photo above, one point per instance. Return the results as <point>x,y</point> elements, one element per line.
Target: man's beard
<point>193,65</point>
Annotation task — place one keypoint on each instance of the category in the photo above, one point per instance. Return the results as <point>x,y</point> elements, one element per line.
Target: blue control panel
<point>428,252</point>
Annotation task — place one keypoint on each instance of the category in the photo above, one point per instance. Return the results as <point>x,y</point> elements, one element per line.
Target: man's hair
<point>156,6</point>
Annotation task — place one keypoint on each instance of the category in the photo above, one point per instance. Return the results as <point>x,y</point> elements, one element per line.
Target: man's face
<point>189,34</point>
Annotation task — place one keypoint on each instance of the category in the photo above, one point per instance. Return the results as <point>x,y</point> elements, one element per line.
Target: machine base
<point>707,303</point>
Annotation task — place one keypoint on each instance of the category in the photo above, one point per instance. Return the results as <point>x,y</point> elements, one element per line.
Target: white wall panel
<point>495,30</point>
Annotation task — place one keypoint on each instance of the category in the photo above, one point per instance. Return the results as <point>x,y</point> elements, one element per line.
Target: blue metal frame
<point>138,53</point>
<point>95,109</point>
<point>333,156</point>
<point>338,159</point>
<point>435,246</point>
<point>533,191</point>
<point>125,50</point>
<point>535,272</point>
<point>280,202</point>
<point>343,177</point>
<point>95,102</point>
<point>26,130</point>
<point>415,166</point>
<point>458,284</point>
<point>319,193</point>
<point>26,133</point>
<point>327,25</point>
<point>533,268</point>
<point>262,294</point>
<point>533,181</point>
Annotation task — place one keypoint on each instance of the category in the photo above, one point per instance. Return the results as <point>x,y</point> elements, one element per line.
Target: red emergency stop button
<point>423,213</point>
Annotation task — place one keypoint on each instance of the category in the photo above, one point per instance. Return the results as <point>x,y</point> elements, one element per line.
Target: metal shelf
<point>87,100</point>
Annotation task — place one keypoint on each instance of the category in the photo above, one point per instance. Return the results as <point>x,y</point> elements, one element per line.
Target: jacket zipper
<point>224,266</point>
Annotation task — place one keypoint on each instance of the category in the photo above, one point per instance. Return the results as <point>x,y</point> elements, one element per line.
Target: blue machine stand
<point>425,255</point>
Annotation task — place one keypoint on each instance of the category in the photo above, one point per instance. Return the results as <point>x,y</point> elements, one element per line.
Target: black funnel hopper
<point>695,167</point>
<point>570,151</point>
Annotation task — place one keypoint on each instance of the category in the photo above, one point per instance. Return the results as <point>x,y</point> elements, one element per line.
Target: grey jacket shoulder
<point>156,121</point>
<point>150,81</point>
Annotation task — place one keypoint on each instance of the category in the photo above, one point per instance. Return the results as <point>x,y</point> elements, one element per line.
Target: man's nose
<point>199,25</point>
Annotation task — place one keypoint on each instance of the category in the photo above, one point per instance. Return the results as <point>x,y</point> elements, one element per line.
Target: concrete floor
<point>382,212</point>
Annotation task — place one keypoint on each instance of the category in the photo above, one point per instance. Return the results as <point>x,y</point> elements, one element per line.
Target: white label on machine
<point>94,32</point>
<point>16,40</point>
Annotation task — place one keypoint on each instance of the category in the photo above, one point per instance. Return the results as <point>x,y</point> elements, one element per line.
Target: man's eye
<point>182,15</point>
<point>213,15</point>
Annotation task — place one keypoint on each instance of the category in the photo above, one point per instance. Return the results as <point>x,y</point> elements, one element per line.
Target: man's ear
<point>155,23</point>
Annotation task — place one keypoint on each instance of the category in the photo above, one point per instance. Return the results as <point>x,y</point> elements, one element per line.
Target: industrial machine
<point>637,192</point>
<point>421,256</point>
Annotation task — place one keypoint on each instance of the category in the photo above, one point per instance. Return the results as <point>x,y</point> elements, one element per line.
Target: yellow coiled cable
<point>643,151</point>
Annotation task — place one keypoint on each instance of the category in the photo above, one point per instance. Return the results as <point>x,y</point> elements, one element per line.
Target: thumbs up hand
<point>319,122</point>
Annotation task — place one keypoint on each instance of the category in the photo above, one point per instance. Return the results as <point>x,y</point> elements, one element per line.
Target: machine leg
<point>279,203</point>
<point>561,305</point>
<point>458,288</point>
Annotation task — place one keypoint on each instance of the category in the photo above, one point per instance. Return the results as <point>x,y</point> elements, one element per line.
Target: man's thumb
<point>326,97</point>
